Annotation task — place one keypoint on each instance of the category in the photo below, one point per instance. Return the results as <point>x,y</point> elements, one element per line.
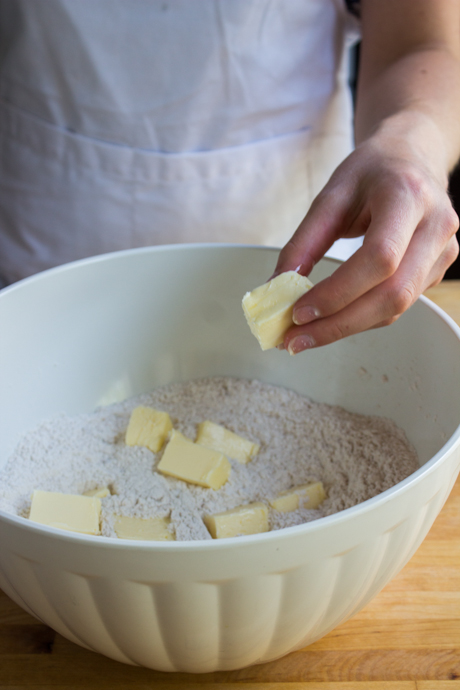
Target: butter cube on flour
<point>148,427</point>
<point>248,519</point>
<point>66,511</point>
<point>230,444</point>
<point>193,463</point>
<point>306,496</point>
<point>268,308</point>
<point>151,529</point>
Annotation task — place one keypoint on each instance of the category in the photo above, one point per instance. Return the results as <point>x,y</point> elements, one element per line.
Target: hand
<point>386,192</point>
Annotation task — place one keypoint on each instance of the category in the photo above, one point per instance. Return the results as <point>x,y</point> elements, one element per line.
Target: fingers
<point>446,259</point>
<point>386,241</point>
<point>432,249</point>
<point>361,315</point>
<point>320,228</point>
<point>409,230</point>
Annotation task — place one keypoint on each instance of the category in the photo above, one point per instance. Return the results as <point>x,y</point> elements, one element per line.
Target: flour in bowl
<point>356,457</point>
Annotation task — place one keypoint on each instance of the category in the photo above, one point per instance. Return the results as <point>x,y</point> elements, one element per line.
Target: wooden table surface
<point>407,638</point>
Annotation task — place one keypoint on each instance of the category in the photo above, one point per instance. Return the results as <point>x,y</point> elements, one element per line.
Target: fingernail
<point>302,342</point>
<point>303,315</point>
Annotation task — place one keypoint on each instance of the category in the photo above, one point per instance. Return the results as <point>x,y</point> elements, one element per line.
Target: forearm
<point>415,102</point>
<point>409,85</point>
<point>392,187</point>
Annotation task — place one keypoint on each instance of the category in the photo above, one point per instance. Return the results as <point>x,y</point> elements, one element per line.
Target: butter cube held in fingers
<point>268,308</point>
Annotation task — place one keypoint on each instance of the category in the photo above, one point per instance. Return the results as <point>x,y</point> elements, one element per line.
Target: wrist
<point>414,136</point>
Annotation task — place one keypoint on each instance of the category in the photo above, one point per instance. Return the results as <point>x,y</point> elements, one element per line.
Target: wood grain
<point>407,638</point>
<point>447,296</point>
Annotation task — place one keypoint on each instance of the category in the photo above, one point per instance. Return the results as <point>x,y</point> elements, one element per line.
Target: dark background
<point>454,188</point>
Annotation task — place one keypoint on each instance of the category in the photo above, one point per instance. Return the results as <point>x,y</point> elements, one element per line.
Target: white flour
<point>356,457</point>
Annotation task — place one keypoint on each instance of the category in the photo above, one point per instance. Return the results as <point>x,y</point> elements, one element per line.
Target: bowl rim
<point>110,256</point>
<point>452,443</point>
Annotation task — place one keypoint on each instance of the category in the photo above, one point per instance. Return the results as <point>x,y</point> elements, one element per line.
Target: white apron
<point>131,123</point>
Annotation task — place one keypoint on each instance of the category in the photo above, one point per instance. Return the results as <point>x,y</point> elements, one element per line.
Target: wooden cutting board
<point>407,638</point>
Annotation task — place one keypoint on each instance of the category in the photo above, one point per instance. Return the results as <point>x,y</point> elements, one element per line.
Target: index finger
<point>321,227</point>
<point>392,225</point>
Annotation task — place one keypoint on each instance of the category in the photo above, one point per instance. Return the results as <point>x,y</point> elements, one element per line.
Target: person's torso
<point>153,73</point>
<point>176,85</point>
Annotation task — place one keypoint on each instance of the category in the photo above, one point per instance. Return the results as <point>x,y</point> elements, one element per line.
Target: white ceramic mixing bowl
<point>101,330</point>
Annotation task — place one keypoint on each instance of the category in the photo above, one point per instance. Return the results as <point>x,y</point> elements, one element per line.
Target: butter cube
<point>193,463</point>
<point>268,308</point>
<point>248,519</point>
<point>307,496</point>
<point>66,511</point>
<point>148,427</point>
<point>152,529</point>
<point>98,493</point>
<point>230,444</point>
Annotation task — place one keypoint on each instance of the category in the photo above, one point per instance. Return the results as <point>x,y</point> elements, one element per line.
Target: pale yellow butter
<point>248,519</point>
<point>148,427</point>
<point>151,529</point>
<point>193,463</point>
<point>98,493</point>
<point>227,442</point>
<point>307,496</point>
<point>66,511</point>
<point>268,308</point>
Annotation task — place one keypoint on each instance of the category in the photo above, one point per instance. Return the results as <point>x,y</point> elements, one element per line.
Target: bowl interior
<point>104,329</point>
